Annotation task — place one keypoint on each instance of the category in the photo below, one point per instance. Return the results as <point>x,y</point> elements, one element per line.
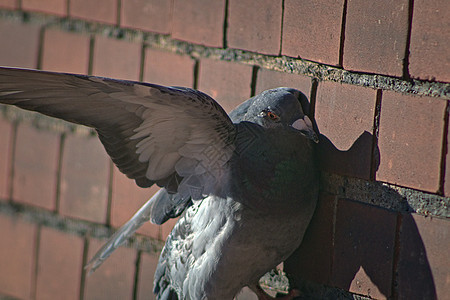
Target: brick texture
<point>35,168</point>
<point>6,131</point>
<point>411,130</point>
<point>304,33</point>
<point>20,44</point>
<point>103,11</point>
<point>167,68</point>
<point>115,278</point>
<point>227,82</point>
<point>12,4</point>
<point>268,79</point>
<point>17,257</point>
<point>257,29</point>
<point>199,21</point>
<point>364,249</point>
<point>153,15</point>
<point>65,52</point>
<point>375,36</point>
<point>146,274</point>
<point>54,7</point>
<point>344,115</point>
<point>59,265</point>
<point>84,179</point>
<point>125,55</point>
<point>430,38</point>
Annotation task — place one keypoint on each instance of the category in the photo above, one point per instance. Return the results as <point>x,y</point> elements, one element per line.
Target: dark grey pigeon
<point>245,187</point>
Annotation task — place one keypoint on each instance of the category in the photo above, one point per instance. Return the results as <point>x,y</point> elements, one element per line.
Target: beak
<point>304,125</point>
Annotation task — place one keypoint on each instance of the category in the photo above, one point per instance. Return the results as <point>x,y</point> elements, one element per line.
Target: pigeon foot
<point>263,295</point>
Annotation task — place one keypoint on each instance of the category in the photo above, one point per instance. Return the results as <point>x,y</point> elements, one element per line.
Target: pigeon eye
<point>273,116</point>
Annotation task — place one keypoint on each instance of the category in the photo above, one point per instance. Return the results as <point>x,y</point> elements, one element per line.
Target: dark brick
<point>227,82</point>
<point>20,44</point>
<point>255,27</point>
<point>54,7</point>
<point>84,179</point>
<point>59,266</point>
<point>147,269</point>
<point>410,140</point>
<point>344,115</point>
<point>104,11</point>
<point>364,249</point>
<point>11,4</point>
<point>17,257</point>
<point>424,264</point>
<point>268,79</point>
<point>375,36</point>
<point>127,199</point>
<point>115,278</point>
<point>35,167</point>
<point>304,33</point>
<point>430,38</point>
<point>168,68</point>
<point>313,259</point>
<point>6,131</point>
<point>199,21</point>
<point>125,55</point>
<point>65,52</point>
<point>153,15</point>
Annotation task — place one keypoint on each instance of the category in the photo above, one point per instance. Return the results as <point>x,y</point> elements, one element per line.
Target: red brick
<point>424,263</point>
<point>410,140</point>
<point>147,269</point>
<point>127,199</point>
<point>304,33</point>
<point>312,260</point>
<point>375,36</point>
<point>168,68</point>
<point>65,52</point>
<point>150,15</point>
<point>20,44</point>
<point>6,131</point>
<point>199,21</point>
<point>103,11</point>
<point>268,79</point>
<point>54,7</point>
<point>115,278</point>
<point>12,4</point>
<point>227,82</point>
<point>116,58</point>
<point>344,115</point>
<point>59,266</point>
<point>35,167</point>
<point>17,257</point>
<point>364,249</point>
<point>255,27</point>
<point>84,179</point>
<point>430,38</point>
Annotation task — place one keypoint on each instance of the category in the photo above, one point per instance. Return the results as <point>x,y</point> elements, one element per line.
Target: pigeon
<point>244,185</point>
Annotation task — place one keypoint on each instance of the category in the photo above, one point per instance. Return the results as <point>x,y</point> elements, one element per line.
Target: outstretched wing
<point>176,137</point>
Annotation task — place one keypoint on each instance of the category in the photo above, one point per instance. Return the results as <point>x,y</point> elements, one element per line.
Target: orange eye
<point>272,116</point>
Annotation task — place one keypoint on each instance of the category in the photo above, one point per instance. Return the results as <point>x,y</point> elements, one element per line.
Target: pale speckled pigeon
<point>245,186</point>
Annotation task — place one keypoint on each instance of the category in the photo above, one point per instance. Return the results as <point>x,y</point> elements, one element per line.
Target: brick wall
<point>377,73</point>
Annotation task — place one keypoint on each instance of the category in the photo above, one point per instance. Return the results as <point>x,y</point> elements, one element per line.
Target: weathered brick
<point>20,44</point>
<point>304,33</point>
<point>54,7</point>
<point>17,257</point>
<point>36,167</point>
<point>268,79</point>
<point>65,52</point>
<point>116,58</point>
<point>430,38</point>
<point>84,179</point>
<point>199,21</point>
<point>6,131</point>
<point>255,27</point>
<point>60,265</point>
<point>364,249</point>
<point>424,264</point>
<point>345,115</point>
<point>375,36</point>
<point>168,68</point>
<point>146,274</point>
<point>11,4</point>
<point>104,11</point>
<point>153,15</point>
<point>227,82</point>
<point>410,140</point>
<point>115,278</point>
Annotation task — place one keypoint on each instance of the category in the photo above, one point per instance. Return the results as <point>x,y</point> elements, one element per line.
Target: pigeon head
<point>281,108</point>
